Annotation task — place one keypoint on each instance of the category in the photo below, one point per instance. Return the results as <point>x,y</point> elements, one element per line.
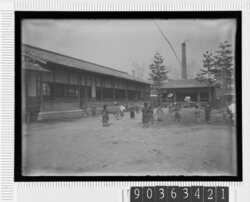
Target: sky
<point>127,44</point>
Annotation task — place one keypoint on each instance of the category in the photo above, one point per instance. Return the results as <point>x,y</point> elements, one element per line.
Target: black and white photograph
<point>129,97</point>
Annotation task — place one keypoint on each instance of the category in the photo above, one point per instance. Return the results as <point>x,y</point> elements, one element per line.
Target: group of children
<point>148,113</point>
<point>118,112</point>
<point>175,108</point>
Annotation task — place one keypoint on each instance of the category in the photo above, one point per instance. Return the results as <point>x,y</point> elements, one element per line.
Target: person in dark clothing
<point>177,114</point>
<point>93,109</point>
<point>145,119</point>
<point>197,113</point>
<point>137,109</point>
<point>208,113</point>
<point>150,113</point>
<point>159,113</point>
<point>105,116</point>
<point>132,112</point>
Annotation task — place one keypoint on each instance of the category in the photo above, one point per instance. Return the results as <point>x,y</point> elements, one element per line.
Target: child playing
<point>197,114</point>
<point>105,116</point>
<point>208,110</point>
<point>132,112</point>
<point>117,111</point>
<point>145,119</point>
<point>177,115</point>
<point>159,113</point>
<point>93,109</point>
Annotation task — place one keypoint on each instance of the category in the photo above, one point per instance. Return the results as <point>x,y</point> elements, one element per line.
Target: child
<point>151,113</point>
<point>85,112</point>
<point>208,113</point>
<point>159,113</point>
<point>132,112</point>
<point>117,112</point>
<point>171,110</point>
<point>105,116</point>
<point>145,118</point>
<point>137,109</point>
<point>197,114</point>
<point>177,115</point>
<point>122,109</point>
<point>93,109</point>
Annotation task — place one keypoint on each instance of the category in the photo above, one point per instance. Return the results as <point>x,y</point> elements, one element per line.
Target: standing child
<point>122,109</point>
<point>159,113</point>
<point>85,112</point>
<point>150,113</point>
<point>208,113</point>
<point>197,114</point>
<point>93,109</point>
<point>117,112</point>
<point>105,116</point>
<point>171,109</point>
<point>145,119</point>
<point>177,114</point>
<point>137,109</point>
<point>132,112</point>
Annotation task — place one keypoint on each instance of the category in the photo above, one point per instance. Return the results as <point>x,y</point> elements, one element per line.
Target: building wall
<point>65,89</point>
<point>31,86</point>
<point>196,94</point>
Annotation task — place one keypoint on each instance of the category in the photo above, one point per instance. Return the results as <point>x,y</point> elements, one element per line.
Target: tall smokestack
<point>184,62</point>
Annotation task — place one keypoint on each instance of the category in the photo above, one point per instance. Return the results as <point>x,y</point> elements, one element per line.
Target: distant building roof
<point>185,83</point>
<point>57,58</point>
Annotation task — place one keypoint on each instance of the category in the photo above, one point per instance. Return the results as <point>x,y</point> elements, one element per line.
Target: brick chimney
<point>183,61</point>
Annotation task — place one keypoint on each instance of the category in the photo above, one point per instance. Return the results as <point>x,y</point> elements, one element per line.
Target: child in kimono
<point>117,111</point>
<point>132,112</point>
<point>177,114</point>
<point>145,118</point>
<point>197,114</point>
<point>122,109</point>
<point>159,113</point>
<point>93,109</point>
<point>105,116</point>
<point>151,113</point>
<point>208,110</point>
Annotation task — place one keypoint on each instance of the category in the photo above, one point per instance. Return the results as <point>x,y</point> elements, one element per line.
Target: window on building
<point>63,90</point>
<point>139,95</point>
<point>89,93</point>
<point>120,94</point>
<point>98,93</point>
<point>131,95</point>
<point>61,77</point>
<point>73,78</point>
<point>47,90</point>
<point>73,91</point>
<point>60,90</point>
<point>107,93</point>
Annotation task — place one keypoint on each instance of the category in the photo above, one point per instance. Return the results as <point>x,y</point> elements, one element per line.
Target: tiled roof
<point>33,66</point>
<point>57,58</point>
<point>185,83</point>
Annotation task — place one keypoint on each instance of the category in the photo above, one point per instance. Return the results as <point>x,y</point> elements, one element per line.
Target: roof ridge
<point>35,47</point>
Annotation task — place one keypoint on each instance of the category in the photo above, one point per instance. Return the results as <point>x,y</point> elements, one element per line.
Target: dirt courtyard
<point>85,147</point>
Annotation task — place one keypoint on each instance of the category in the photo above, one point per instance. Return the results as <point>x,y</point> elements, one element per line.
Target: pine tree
<point>224,65</point>
<point>207,74</point>
<point>158,73</point>
<point>218,69</point>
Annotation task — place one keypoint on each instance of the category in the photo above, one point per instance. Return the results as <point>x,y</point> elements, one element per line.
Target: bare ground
<point>85,147</point>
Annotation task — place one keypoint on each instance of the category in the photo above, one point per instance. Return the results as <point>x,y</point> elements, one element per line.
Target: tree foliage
<point>218,69</point>
<point>158,73</point>
<point>223,65</point>
<point>208,73</point>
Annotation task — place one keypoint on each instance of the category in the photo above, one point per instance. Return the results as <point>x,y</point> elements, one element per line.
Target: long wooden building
<point>56,85</point>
